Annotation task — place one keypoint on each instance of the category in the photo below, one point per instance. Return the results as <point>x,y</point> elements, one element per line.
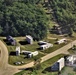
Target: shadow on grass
<point>7,42</point>
<point>13,53</point>
<point>23,42</point>
<point>27,69</point>
<point>48,70</point>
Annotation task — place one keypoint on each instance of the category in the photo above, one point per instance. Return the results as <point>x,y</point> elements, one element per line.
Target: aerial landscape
<point>37,37</point>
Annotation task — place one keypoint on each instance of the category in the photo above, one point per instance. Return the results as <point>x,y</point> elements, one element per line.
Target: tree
<point>62,15</point>
<point>37,64</point>
<point>23,18</point>
<point>0,29</point>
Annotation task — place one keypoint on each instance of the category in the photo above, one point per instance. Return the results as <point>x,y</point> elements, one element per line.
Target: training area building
<point>29,39</point>
<point>44,45</point>
<point>11,40</point>
<point>30,54</point>
<point>58,65</point>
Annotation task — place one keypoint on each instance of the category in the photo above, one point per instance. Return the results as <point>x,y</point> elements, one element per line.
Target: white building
<point>30,54</point>
<point>46,46</point>
<point>29,39</point>
<point>17,50</point>
<point>58,65</point>
<point>61,41</point>
<point>61,63</point>
<point>70,61</point>
<point>33,54</point>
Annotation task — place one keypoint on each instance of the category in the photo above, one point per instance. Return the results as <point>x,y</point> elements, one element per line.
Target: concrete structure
<point>71,60</point>
<point>35,53</point>
<point>11,40</point>
<point>30,54</point>
<point>17,50</point>
<point>61,41</point>
<point>29,39</point>
<point>46,46</point>
<point>58,65</point>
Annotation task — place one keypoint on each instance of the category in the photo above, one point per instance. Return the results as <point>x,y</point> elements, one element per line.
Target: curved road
<point>6,69</point>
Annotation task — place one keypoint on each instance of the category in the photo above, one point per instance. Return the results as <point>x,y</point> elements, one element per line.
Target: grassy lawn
<point>35,46</point>
<point>55,46</point>
<point>68,71</point>
<point>28,47</point>
<point>44,65</point>
<point>14,58</point>
<point>71,51</point>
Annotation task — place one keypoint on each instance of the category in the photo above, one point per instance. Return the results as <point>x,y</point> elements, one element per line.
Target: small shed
<point>35,53</point>
<point>17,50</point>
<point>58,65</point>
<point>61,41</point>
<point>30,54</point>
<point>29,39</point>
<point>11,40</point>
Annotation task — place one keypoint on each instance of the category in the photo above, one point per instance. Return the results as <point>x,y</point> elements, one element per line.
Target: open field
<point>28,47</point>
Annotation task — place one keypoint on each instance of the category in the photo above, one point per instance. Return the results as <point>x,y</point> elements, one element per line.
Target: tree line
<point>65,13</point>
<point>20,18</point>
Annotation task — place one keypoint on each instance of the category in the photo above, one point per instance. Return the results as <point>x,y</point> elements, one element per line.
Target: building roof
<point>60,60</point>
<point>47,44</point>
<point>28,36</point>
<point>71,58</point>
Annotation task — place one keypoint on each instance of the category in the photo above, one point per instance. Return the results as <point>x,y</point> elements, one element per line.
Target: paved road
<point>6,69</point>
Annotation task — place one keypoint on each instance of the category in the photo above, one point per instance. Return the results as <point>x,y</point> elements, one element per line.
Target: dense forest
<point>65,13</point>
<point>27,17</point>
<point>22,17</point>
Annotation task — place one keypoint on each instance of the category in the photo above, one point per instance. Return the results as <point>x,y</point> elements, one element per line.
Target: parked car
<point>17,63</point>
<point>22,62</point>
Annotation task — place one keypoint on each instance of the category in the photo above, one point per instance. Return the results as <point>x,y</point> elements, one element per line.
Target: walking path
<point>6,69</point>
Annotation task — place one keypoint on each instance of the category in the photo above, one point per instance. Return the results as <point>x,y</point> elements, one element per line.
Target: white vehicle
<point>17,63</point>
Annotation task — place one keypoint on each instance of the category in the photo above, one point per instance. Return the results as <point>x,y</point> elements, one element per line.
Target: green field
<point>28,47</point>
<point>68,71</point>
